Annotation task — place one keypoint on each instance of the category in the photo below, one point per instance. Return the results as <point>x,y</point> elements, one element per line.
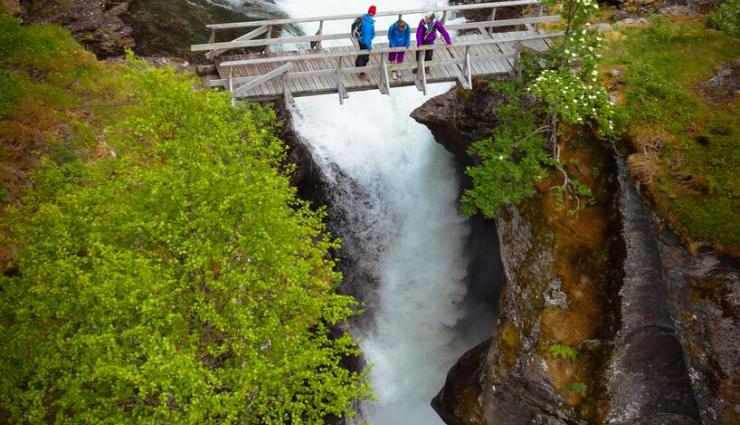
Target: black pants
<point>428,54</point>
<point>362,59</point>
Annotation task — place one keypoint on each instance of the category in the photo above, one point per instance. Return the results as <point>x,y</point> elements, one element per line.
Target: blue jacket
<point>368,31</point>
<point>398,38</point>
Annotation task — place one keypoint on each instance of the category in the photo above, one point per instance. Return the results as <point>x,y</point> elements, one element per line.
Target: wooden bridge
<point>292,66</point>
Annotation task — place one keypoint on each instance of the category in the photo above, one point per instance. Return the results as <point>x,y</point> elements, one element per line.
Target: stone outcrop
<point>704,296</point>
<point>664,346</point>
<point>460,117</point>
<point>97,24</point>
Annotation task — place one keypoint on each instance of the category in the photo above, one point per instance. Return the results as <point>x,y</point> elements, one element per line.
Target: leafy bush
<point>576,387</point>
<point>176,278</point>
<point>511,160</point>
<point>564,351</point>
<point>726,17</point>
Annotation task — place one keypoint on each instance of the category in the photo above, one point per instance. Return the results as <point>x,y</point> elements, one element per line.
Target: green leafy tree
<point>175,279</point>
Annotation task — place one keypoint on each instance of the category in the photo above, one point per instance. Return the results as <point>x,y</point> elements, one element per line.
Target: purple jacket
<point>422,29</point>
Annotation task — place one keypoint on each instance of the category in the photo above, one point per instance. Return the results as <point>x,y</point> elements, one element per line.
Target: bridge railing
<point>266,28</point>
<point>239,86</point>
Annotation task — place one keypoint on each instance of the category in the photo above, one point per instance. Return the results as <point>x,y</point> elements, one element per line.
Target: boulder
<point>97,24</point>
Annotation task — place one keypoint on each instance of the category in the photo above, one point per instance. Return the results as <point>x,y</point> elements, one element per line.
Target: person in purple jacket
<point>426,34</point>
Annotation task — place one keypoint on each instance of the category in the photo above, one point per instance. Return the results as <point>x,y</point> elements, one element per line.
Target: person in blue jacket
<point>367,34</point>
<point>399,35</point>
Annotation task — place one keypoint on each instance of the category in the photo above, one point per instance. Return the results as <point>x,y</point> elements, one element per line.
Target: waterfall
<point>396,190</point>
<point>407,221</point>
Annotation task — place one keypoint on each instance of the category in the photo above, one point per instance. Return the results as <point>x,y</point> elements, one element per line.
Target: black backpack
<point>357,28</point>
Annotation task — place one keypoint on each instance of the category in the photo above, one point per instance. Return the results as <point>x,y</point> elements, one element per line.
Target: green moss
<point>692,143</point>
<point>726,17</point>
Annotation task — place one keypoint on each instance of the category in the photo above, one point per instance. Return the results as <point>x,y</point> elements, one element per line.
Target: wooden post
<point>539,15</point>
<point>386,85</point>
<point>515,64</point>
<point>341,91</point>
<point>423,73</point>
<point>287,95</point>
<point>493,18</point>
<point>268,37</point>
<point>231,85</point>
<point>468,68</point>
<point>211,39</point>
<point>317,44</point>
<point>444,18</point>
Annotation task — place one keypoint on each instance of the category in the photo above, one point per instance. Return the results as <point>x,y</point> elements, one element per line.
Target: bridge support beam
<point>384,84</point>
<point>341,90</point>
<point>243,89</point>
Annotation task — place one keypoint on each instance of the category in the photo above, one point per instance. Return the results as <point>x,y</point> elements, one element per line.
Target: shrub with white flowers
<point>517,153</point>
<point>569,87</point>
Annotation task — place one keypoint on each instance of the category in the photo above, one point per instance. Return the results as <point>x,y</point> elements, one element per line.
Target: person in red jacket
<point>426,34</point>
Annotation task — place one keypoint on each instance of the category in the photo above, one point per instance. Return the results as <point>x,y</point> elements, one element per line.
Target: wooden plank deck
<point>316,76</point>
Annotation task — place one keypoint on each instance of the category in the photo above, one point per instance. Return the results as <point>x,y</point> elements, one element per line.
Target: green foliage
<point>516,155</point>
<point>563,351</point>
<point>726,17</point>
<point>576,387</point>
<point>569,87</point>
<point>511,160</point>
<point>9,93</point>
<point>691,139</point>
<point>176,279</point>
<point>40,46</point>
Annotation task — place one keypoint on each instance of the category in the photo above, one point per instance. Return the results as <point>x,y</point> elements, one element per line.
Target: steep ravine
<point>661,345</point>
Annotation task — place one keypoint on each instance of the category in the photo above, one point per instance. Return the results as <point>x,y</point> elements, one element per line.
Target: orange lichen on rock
<point>580,236</point>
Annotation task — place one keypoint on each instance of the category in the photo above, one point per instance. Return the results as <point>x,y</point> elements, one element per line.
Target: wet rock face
<point>169,27</point>
<point>97,24</point>
<point>647,378</point>
<point>459,117</point>
<point>459,397</point>
<point>704,294</point>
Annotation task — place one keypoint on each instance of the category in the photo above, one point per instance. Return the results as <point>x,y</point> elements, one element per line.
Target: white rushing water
<point>408,215</point>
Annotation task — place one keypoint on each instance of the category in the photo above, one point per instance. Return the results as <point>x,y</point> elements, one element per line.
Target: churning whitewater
<point>409,220</point>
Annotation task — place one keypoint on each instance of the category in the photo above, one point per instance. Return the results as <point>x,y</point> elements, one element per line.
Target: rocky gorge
<point>655,327</point>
